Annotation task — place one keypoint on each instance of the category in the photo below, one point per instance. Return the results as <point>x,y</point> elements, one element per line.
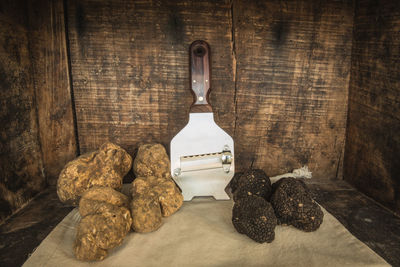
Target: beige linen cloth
<point>201,234</point>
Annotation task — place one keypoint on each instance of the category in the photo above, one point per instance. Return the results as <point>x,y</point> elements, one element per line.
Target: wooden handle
<point>200,76</point>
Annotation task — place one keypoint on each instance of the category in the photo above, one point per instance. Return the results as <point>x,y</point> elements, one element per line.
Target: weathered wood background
<point>75,74</point>
<point>48,52</point>
<point>37,130</point>
<point>372,161</point>
<point>280,74</point>
<point>20,158</point>
<point>292,65</point>
<point>130,67</point>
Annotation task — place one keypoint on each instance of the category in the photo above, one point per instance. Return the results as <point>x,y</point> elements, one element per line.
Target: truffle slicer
<point>202,154</point>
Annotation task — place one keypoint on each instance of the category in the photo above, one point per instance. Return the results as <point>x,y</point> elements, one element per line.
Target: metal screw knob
<point>177,172</point>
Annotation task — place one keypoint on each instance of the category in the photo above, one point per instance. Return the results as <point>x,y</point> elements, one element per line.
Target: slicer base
<point>204,183</point>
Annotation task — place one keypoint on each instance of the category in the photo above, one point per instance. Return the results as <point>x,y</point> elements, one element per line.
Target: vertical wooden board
<point>130,67</point>
<point>372,159</point>
<point>21,175</point>
<point>50,70</point>
<point>293,60</point>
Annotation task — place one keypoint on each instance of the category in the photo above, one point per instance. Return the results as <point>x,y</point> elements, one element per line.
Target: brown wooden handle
<point>200,75</point>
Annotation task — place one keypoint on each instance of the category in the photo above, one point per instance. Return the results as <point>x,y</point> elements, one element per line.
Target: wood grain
<point>21,165</point>
<point>372,159</point>
<point>200,72</point>
<point>24,231</point>
<point>293,61</point>
<point>280,82</point>
<point>365,218</point>
<point>280,76</point>
<point>50,69</point>
<point>130,67</point>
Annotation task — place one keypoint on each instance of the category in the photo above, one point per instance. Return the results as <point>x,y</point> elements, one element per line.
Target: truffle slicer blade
<point>202,138</point>
<point>202,154</point>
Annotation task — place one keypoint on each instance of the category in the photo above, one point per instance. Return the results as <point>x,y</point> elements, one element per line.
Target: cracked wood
<point>280,72</point>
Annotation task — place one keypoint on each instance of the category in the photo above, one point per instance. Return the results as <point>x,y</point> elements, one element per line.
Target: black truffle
<point>233,184</point>
<point>254,217</point>
<point>294,205</point>
<point>253,183</point>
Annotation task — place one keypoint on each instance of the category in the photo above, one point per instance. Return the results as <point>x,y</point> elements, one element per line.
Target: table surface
<point>371,223</point>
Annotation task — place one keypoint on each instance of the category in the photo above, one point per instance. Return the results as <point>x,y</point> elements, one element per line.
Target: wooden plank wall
<point>293,61</point>
<point>279,84</point>
<point>37,128</point>
<point>48,48</point>
<point>372,159</point>
<point>20,155</point>
<point>130,67</point>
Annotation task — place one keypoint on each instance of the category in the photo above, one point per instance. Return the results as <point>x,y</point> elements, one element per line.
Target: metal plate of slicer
<point>197,158</point>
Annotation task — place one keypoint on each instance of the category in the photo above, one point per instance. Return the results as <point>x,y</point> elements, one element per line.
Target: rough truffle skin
<point>94,198</point>
<point>105,223</point>
<point>146,213</point>
<point>253,182</point>
<point>254,217</point>
<point>294,205</point>
<point>152,160</point>
<point>104,167</point>
<point>153,198</point>
<point>233,184</point>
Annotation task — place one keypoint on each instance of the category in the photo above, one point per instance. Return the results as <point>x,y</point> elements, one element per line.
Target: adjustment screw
<point>177,172</point>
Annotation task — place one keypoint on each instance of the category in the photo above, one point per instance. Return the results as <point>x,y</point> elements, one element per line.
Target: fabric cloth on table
<point>201,234</point>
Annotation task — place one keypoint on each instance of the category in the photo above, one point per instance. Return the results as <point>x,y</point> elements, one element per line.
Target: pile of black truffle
<point>260,206</point>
